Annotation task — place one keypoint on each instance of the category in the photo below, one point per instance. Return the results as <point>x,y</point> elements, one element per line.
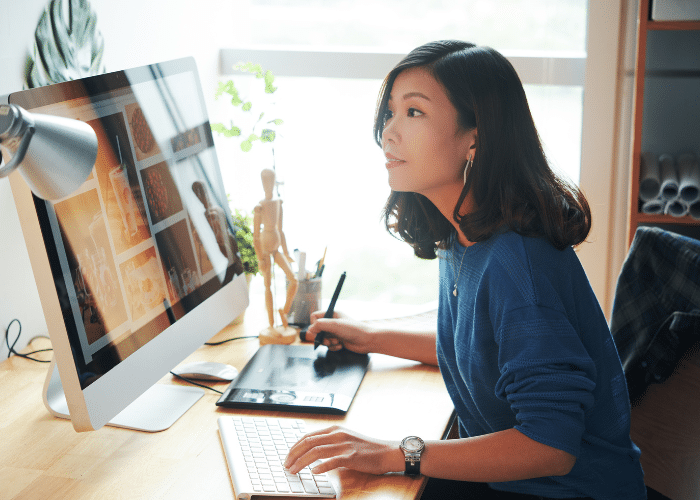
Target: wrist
<point>376,340</point>
<point>395,460</point>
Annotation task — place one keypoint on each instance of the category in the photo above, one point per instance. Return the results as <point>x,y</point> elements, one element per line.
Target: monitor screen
<point>144,250</point>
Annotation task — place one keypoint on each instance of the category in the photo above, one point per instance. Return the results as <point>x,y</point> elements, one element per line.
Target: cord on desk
<point>11,348</point>
<point>230,340</point>
<point>190,381</point>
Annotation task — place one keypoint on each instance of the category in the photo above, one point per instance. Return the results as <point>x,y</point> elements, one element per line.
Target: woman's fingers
<point>337,447</point>
<point>341,333</point>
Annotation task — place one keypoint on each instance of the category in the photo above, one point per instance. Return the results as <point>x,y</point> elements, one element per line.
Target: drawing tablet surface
<point>297,378</point>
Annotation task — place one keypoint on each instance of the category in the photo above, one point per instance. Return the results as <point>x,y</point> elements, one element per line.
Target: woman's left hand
<point>339,447</point>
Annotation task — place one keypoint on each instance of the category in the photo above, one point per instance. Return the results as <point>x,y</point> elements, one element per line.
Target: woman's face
<point>425,148</point>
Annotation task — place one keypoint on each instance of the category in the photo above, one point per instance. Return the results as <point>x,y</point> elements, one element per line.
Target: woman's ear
<point>471,152</point>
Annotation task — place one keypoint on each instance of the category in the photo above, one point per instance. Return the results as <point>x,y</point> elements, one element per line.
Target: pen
<point>329,312</point>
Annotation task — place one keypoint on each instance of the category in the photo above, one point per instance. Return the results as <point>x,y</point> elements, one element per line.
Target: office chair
<point>656,325</point>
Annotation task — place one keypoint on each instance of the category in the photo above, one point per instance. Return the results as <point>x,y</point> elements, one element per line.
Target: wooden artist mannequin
<point>268,237</point>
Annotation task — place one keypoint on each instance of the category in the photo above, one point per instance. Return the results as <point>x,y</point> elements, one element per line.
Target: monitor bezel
<point>95,405</point>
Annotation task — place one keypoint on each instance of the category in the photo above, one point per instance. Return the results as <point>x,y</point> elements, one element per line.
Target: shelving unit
<point>666,115</point>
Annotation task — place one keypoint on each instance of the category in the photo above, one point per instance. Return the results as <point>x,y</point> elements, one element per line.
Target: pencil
<point>329,312</point>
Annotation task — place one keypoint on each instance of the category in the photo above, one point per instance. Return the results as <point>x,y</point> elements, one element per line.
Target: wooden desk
<point>42,457</point>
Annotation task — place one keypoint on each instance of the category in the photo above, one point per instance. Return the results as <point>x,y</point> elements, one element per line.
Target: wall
<point>135,32</point>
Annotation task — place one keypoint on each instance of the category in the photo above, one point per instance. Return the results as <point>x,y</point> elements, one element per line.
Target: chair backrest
<point>656,327</point>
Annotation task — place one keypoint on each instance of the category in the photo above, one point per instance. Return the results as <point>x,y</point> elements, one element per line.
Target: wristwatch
<point>412,447</point>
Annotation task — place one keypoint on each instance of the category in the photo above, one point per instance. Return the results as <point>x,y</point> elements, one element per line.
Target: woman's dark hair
<point>511,182</point>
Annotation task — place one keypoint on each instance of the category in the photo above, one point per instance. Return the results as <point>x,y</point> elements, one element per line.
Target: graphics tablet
<point>297,378</point>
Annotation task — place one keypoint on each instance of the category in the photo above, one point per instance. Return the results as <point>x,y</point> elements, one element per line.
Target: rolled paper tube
<point>689,178</point>
<point>654,207</point>
<point>694,210</point>
<point>677,208</point>
<point>649,177</point>
<point>669,177</point>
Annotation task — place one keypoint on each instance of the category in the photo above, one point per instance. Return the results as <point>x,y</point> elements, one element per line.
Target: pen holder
<point>306,301</point>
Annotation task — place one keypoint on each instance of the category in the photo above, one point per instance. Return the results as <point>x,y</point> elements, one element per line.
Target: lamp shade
<point>54,154</point>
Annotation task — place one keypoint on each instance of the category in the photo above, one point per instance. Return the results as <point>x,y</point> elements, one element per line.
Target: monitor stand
<point>155,410</point>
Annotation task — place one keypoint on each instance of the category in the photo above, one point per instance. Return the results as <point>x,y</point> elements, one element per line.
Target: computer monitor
<point>138,267</point>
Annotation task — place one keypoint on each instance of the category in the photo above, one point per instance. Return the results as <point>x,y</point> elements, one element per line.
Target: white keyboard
<point>256,449</point>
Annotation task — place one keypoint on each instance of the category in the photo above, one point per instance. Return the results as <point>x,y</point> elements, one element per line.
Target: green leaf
<point>247,144</point>
<point>268,135</point>
<point>229,88</point>
<point>249,67</point>
<point>269,79</point>
<point>226,132</point>
<point>222,88</point>
<point>276,121</point>
<point>247,106</point>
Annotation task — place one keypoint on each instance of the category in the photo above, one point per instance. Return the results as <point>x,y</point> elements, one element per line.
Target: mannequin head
<point>268,182</point>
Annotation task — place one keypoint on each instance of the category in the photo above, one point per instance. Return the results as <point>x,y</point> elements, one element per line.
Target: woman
<point>522,344</point>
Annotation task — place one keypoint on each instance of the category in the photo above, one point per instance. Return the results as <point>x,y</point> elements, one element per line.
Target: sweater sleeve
<point>547,376</point>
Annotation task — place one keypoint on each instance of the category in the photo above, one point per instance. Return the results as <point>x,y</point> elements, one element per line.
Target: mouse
<point>206,370</point>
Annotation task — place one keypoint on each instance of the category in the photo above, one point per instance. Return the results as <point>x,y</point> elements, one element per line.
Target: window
<point>329,73</point>
<point>400,25</point>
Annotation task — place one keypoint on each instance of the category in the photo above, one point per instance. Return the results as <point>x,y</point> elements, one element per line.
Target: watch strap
<point>412,454</point>
<point>412,464</point>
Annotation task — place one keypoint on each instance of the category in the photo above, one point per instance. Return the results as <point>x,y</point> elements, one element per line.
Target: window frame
<point>536,68</point>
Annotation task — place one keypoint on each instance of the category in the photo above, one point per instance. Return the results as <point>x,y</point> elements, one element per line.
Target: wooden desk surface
<point>42,457</point>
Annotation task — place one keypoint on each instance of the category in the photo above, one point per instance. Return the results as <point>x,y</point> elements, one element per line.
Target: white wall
<point>135,32</point>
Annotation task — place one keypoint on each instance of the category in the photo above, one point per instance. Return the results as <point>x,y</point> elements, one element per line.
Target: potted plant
<point>243,233</point>
<point>241,223</point>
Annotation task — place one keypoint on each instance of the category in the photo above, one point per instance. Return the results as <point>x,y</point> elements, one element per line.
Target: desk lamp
<point>54,154</point>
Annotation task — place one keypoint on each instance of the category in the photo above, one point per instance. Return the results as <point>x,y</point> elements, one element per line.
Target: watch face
<point>412,444</point>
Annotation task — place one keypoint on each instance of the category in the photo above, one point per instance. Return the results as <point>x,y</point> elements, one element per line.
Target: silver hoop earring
<point>467,167</point>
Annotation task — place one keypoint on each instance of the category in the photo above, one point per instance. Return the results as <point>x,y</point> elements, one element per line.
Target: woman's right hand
<point>342,332</point>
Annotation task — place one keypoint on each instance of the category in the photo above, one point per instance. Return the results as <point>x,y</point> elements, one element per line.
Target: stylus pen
<point>329,312</point>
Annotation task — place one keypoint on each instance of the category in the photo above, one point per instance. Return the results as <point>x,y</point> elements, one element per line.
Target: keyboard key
<point>309,486</point>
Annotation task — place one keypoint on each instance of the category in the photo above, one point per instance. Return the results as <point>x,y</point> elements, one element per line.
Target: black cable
<point>230,340</point>
<point>11,348</point>
<point>190,381</point>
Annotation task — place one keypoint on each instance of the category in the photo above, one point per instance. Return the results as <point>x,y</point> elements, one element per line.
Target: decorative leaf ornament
<point>67,44</point>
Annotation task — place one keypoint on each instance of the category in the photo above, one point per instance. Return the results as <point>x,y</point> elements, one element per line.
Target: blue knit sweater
<point>525,345</point>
